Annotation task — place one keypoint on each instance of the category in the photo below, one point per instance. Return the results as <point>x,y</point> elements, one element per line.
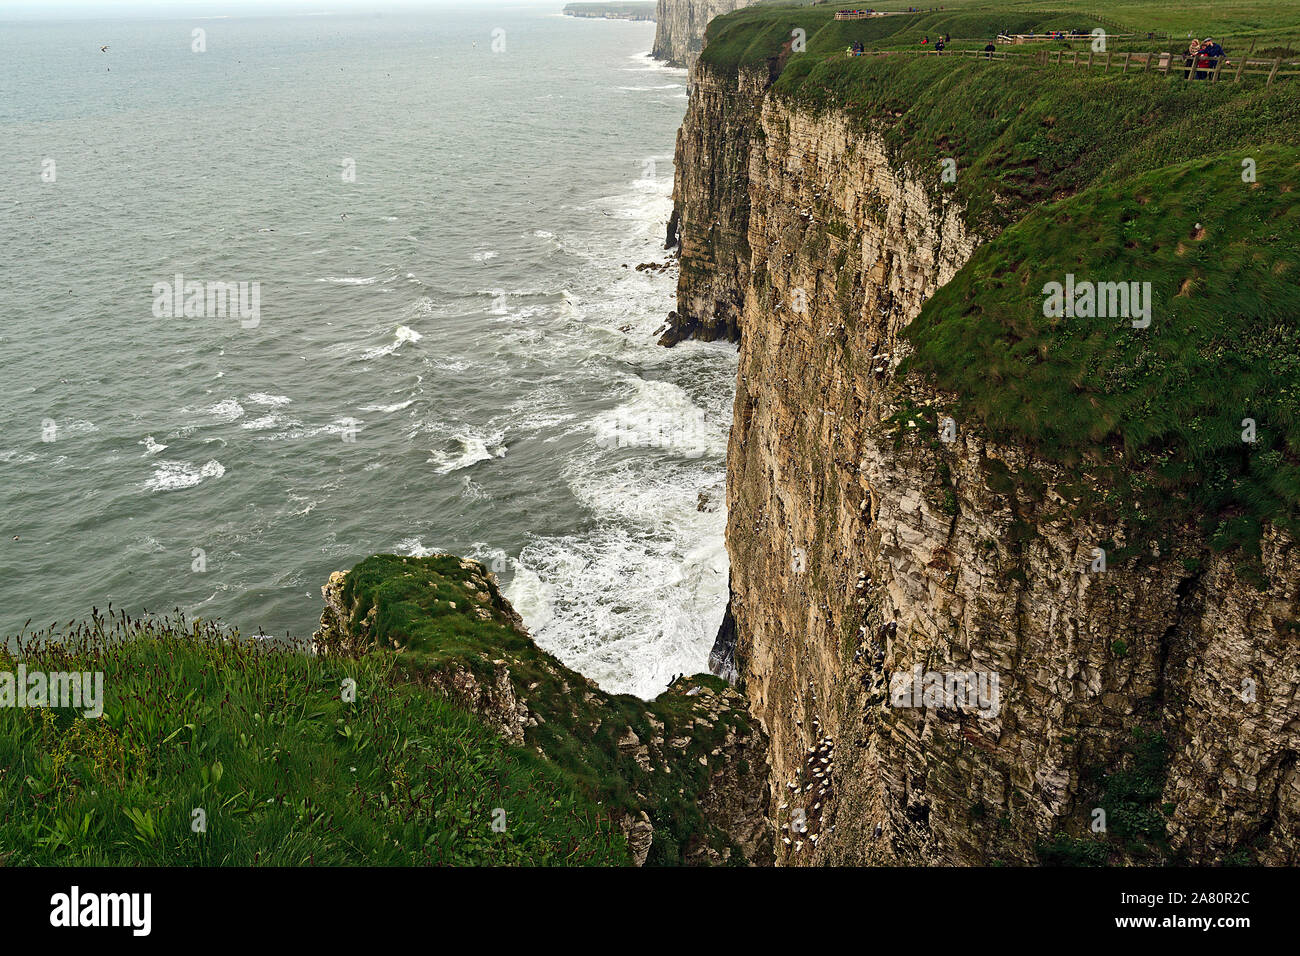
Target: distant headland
<point>612,11</point>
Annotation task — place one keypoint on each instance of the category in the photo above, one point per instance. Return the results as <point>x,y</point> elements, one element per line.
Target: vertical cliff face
<point>861,548</point>
<point>679,27</point>
<point>711,204</point>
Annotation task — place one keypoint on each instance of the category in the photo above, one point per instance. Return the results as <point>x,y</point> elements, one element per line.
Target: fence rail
<point>1058,35</point>
<point>1163,64</point>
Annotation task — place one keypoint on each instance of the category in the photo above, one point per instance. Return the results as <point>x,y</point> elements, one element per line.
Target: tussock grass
<point>257,736</point>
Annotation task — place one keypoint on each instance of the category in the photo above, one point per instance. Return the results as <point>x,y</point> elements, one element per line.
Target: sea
<point>279,291</point>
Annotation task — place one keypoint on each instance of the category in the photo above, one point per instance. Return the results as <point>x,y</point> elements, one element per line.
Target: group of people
<point>939,43</point>
<point>1203,56</point>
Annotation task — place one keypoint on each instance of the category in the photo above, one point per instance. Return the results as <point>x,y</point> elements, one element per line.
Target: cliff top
<point>751,36</point>
<point>1184,187</point>
<point>217,751</point>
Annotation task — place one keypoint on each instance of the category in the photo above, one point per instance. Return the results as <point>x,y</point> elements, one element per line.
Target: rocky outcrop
<point>679,27</point>
<point>710,219</point>
<point>864,546</point>
<point>684,776</point>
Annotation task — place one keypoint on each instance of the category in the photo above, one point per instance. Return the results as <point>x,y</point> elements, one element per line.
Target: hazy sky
<point>39,9</point>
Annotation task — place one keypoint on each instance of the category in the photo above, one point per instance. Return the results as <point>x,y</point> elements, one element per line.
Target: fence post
<point>1090,58</point>
<point>1273,72</point>
<point>1126,59</point>
<point>1217,67</point>
<point>1107,69</point>
<point>1169,61</point>
<point>1240,66</point>
<point>1074,63</point>
<point>1146,67</point>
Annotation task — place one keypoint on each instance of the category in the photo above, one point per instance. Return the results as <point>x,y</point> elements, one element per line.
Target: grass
<point>1152,417</point>
<point>750,36</point>
<point>284,771</point>
<point>1023,136</point>
<point>288,769</point>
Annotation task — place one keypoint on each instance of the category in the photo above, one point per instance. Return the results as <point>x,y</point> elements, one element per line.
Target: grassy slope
<point>286,772</point>
<point>1155,414</point>
<point>257,735</point>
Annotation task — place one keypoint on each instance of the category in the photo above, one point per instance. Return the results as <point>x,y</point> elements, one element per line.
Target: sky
<point>112,9</point>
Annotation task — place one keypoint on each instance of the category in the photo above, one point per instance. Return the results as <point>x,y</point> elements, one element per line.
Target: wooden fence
<point>1019,38</point>
<point>1177,63</point>
<point>1163,64</point>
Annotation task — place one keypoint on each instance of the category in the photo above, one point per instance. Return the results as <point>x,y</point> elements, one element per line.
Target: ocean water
<point>452,348</point>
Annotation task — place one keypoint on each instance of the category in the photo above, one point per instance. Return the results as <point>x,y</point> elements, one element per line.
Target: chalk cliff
<point>679,27</point>
<point>1163,690</point>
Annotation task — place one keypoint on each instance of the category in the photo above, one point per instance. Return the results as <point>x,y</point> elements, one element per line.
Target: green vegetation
<point>755,34</point>
<point>1154,417</point>
<point>580,726</point>
<point>1135,818</point>
<point>285,772</point>
<point>1131,796</point>
<point>288,767</point>
<point>1023,135</point>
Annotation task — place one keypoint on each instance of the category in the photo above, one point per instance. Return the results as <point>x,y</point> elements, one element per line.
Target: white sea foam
<point>396,407</point>
<point>175,475</point>
<point>261,424</point>
<point>400,338</point>
<point>273,401</point>
<point>412,547</point>
<point>469,450</point>
<point>226,411</point>
<point>660,415</point>
<point>350,280</point>
<point>151,447</point>
<point>627,610</point>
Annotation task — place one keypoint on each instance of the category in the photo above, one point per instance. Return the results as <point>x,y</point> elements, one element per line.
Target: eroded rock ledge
<point>684,776</point>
